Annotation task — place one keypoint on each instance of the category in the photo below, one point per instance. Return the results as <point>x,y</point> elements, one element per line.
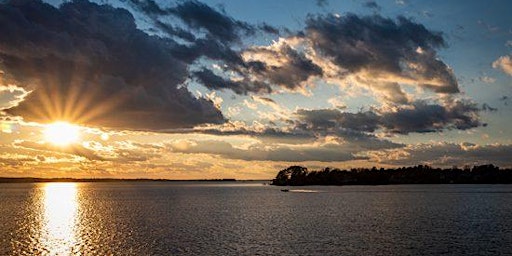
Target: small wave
<point>304,191</point>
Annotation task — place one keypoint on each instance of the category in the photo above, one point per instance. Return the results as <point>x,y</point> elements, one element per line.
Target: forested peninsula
<point>420,174</point>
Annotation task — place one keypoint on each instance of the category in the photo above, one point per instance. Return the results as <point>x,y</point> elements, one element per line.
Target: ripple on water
<point>194,219</point>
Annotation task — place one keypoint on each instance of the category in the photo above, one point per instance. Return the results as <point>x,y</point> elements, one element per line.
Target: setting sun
<point>61,133</point>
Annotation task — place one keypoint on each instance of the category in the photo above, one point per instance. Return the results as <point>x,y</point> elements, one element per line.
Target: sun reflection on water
<point>58,234</point>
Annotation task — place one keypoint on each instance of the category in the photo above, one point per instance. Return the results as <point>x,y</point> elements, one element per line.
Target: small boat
<point>285,190</point>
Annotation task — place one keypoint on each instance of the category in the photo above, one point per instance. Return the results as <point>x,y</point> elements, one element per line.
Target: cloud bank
<point>446,154</point>
<point>89,63</point>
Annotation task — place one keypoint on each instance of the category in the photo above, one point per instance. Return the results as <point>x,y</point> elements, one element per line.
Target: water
<point>194,218</point>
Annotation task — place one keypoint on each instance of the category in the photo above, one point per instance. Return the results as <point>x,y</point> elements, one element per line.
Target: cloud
<point>73,149</point>
<point>326,150</point>
<point>505,99</point>
<point>216,82</point>
<point>89,63</point>
<point>487,79</point>
<point>198,15</point>
<point>11,96</point>
<point>200,18</point>
<point>373,52</point>
<point>446,154</point>
<point>257,130</point>
<point>296,133</point>
<point>330,121</point>
<point>322,3</point>
<point>258,69</point>
<point>372,5</point>
<point>270,103</point>
<point>383,50</point>
<point>424,117</point>
<point>336,102</point>
<point>281,65</point>
<point>503,63</point>
<point>419,117</point>
<point>487,107</point>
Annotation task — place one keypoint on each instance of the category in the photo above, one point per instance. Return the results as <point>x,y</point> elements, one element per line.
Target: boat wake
<point>304,191</point>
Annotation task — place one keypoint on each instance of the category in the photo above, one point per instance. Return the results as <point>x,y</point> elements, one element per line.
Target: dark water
<point>158,218</point>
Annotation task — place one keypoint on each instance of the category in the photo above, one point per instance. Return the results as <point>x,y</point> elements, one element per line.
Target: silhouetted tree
<point>421,174</point>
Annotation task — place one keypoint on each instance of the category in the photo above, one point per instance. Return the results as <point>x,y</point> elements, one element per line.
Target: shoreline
<point>43,180</point>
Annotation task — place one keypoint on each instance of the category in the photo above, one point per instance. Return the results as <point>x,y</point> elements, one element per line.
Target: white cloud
<point>250,105</point>
<point>336,102</point>
<point>504,63</point>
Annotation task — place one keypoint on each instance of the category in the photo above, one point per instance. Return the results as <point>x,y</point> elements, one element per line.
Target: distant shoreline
<point>420,174</point>
<point>42,180</point>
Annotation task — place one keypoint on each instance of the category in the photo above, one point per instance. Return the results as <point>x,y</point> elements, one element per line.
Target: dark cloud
<point>420,117</point>
<point>202,19</point>
<point>331,120</point>
<point>175,31</point>
<point>378,52</point>
<point>199,16</point>
<point>402,48</point>
<point>253,74</point>
<point>267,100</point>
<point>293,68</point>
<point>89,63</point>
<point>211,34</point>
<point>322,3</point>
<point>372,5</point>
<point>221,32</point>
<point>487,107</point>
<point>505,99</point>
<point>148,6</point>
<point>211,49</point>
<point>269,29</point>
<point>381,52</point>
<point>215,82</point>
<point>370,41</point>
<point>424,117</point>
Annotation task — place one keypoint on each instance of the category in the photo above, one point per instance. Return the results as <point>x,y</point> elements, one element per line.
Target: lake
<point>249,218</point>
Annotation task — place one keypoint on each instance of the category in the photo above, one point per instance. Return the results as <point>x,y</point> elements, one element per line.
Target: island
<point>420,174</point>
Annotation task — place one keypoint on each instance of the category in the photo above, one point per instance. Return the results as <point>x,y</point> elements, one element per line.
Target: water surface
<point>242,218</point>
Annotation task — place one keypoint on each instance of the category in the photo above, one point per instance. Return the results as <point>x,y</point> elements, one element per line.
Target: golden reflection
<point>58,234</point>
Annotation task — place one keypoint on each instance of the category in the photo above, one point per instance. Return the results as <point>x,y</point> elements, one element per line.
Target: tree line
<point>420,174</point>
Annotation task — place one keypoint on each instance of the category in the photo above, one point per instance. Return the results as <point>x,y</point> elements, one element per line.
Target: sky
<point>243,89</point>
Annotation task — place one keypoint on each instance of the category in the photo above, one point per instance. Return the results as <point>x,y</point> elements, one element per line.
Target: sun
<point>61,133</point>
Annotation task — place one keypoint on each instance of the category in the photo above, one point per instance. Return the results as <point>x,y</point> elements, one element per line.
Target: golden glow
<point>61,133</point>
<point>58,235</point>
